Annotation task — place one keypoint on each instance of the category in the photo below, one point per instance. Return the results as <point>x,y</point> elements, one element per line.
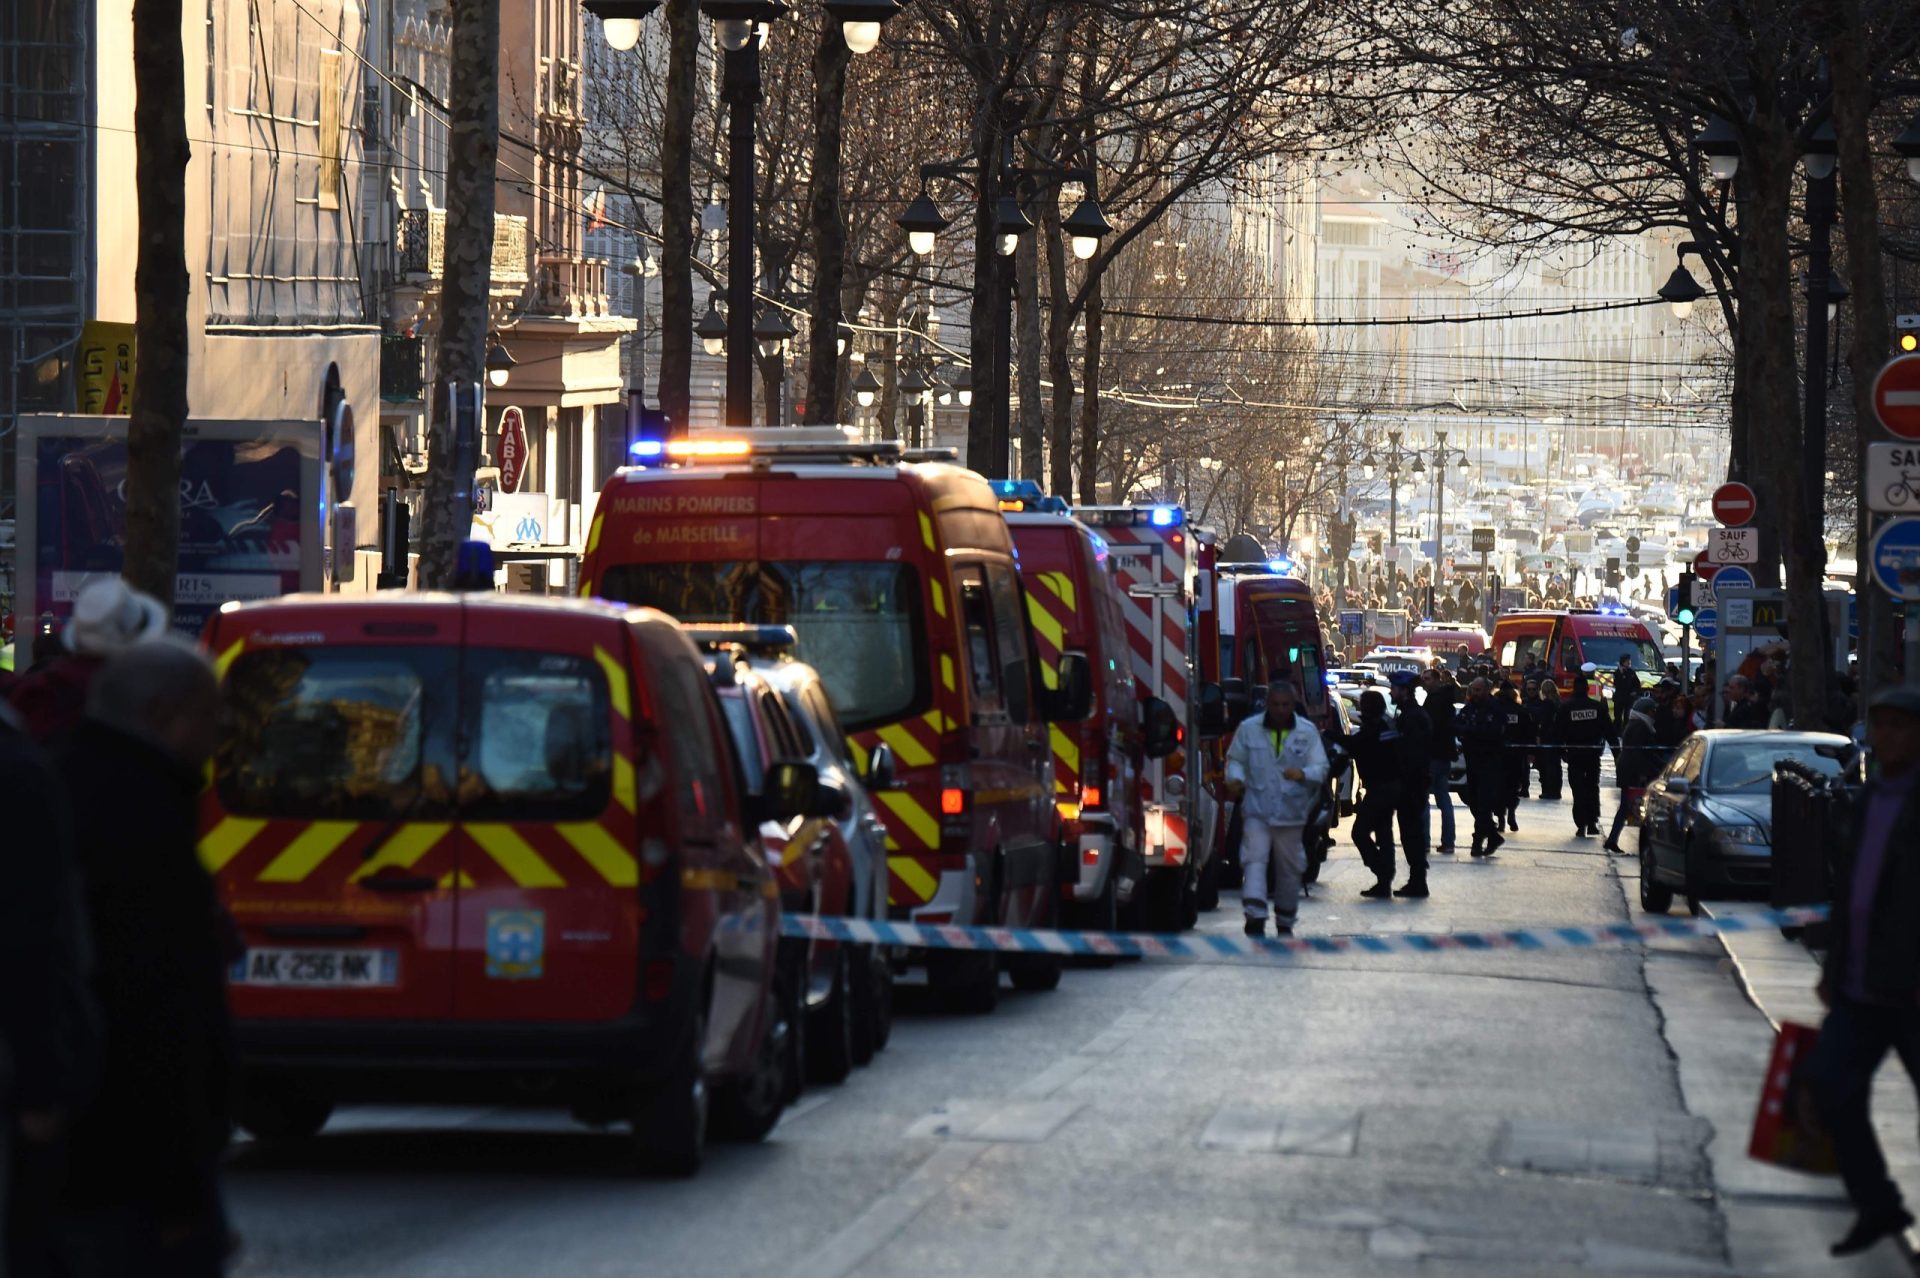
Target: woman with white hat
<point>109,616</point>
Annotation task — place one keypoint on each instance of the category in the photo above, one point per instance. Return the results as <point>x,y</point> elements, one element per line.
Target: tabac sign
<point>510,452</point>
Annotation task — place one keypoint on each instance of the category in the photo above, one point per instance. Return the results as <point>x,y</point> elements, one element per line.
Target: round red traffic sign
<point>1733,504</point>
<point>1703,568</point>
<point>1896,396</point>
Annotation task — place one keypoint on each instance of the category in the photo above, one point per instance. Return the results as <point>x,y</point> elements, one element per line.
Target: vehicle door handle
<point>397,883</point>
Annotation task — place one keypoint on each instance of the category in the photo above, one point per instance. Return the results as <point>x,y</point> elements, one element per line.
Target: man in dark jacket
<point>49,1032</point>
<point>1520,737</point>
<point>1584,732</point>
<point>1871,984</point>
<point>1481,726</point>
<point>1743,708</point>
<point>1443,697</point>
<point>142,1194</point>
<point>1415,751</point>
<point>1626,691</point>
<point>1544,710</point>
<point>1638,762</point>
<point>1374,748</point>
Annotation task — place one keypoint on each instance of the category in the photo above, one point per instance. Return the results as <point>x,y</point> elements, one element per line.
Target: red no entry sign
<point>1733,504</point>
<point>1704,568</point>
<point>1896,396</point>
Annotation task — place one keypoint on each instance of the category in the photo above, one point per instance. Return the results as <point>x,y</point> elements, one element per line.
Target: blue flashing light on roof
<point>1165,516</point>
<point>1332,678</point>
<point>647,449</point>
<point>1281,566</point>
<point>1017,489</point>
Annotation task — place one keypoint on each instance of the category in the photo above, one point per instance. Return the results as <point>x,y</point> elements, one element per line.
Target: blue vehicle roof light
<point>1280,565</point>
<point>647,449</point>
<point>1165,516</point>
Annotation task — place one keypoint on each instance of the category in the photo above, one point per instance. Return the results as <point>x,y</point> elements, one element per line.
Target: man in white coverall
<point>1275,768</point>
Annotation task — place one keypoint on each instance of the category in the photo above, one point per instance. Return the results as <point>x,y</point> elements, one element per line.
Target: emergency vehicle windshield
<point>1605,652</point>
<point>858,623</point>
<point>370,733</point>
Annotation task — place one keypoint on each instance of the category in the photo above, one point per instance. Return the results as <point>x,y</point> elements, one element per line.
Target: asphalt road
<point>1433,1114</point>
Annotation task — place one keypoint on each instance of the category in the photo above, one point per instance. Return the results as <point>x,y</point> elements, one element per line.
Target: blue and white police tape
<point>1208,947</point>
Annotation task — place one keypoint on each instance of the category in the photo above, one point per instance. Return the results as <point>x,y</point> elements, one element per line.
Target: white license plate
<point>317,969</point>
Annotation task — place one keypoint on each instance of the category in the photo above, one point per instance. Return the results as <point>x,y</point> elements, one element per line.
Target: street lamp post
<point>922,220</point>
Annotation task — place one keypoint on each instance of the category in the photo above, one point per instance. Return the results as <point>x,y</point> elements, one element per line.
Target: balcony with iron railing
<point>419,245</point>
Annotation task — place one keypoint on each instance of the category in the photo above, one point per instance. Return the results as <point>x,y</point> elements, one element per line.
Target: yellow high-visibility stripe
<point>917,818</point>
<point>1066,747</point>
<point>946,671</point>
<point>860,755</point>
<point>602,851</point>
<point>617,689</point>
<point>408,844</point>
<point>227,658</point>
<point>905,748</point>
<point>1052,631</point>
<point>224,841</point>
<point>302,856</point>
<point>593,533</point>
<point>915,876</point>
<point>623,788</point>
<point>461,879</point>
<point>1060,584</point>
<point>527,868</point>
<point>939,599</point>
<point>926,530</point>
<point>937,720</point>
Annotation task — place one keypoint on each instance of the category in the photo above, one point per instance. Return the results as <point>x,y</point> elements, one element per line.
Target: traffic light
<point>1633,546</point>
<point>1909,343</point>
<point>1683,606</point>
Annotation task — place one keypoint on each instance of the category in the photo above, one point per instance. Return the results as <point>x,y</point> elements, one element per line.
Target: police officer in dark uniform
<point>1520,736</point>
<point>1415,757</point>
<point>1374,747</point>
<point>1544,710</point>
<point>1481,727</point>
<point>1584,729</point>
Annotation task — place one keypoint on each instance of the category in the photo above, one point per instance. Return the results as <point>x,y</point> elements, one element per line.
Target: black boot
<point>1870,1229</point>
<point>1416,888</point>
<point>1256,927</point>
<point>1380,891</point>
<point>1494,841</point>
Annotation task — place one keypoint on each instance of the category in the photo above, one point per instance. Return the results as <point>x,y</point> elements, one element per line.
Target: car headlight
<point>1747,834</point>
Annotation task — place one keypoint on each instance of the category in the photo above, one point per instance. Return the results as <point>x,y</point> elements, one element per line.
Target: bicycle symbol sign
<point>1733,545</point>
<point>1893,477</point>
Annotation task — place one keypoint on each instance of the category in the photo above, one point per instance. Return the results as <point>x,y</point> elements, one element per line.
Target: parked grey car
<point>1706,823</point>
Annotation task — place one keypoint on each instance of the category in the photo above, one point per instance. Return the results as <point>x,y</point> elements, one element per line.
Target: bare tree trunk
<point>1860,224</point>
<point>983,318</point>
<point>675,392</point>
<point>1059,357</point>
<point>829,230</point>
<point>888,405</point>
<point>473,146</point>
<point>1090,405</point>
<point>1766,274</point>
<point>159,413</point>
<point>1033,423</point>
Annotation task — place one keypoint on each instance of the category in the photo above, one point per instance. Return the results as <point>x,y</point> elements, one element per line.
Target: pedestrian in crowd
<point>1584,730</point>
<point>1276,765</point>
<point>1415,753</point>
<point>1743,710</point>
<point>109,616</point>
<point>1481,726</point>
<point>1443,698</point>
<point>1374,747</point>
<point>1626,691</point>
<point>143,1195</point>
<point>49,1030</point>
<point>1518,753</point>
<point>1544,710</point>
<point>1636,762</point>
<point>1871,983</point>
<point>1671,722</point>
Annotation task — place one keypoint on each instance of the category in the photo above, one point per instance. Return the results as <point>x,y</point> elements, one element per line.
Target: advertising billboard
<point>250,510</point>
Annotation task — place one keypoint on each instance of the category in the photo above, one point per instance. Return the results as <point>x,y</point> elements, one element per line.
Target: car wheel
<point>975,988</point>
<point>1208,894</point>
<point>1655,898</point>
<point>747,1108</point>
<point>281,1117</point>
<point>1035,973</point>
<point>872,1002</point>
<point>830,1055</point>
<point>670,1117</point>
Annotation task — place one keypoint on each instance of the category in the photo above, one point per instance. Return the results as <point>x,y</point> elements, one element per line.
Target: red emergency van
<point>1269,628</point>
<point>1562,642</point>
<point>899,579</point>
<point>484,848</point>
<point>1074,607</point>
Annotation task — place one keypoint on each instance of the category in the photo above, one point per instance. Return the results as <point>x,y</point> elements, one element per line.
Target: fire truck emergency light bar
<point>753,637</point>
<point>1158,516</point>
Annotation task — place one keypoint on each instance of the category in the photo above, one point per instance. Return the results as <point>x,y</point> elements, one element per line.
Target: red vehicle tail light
<point>953,802</point>
<point>1089,796</point>
<point>1090,856</point>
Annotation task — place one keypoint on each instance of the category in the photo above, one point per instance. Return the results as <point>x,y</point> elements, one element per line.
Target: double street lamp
<point>737,24</point>
<point>1002,189</point>
<point>1398,460</point>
